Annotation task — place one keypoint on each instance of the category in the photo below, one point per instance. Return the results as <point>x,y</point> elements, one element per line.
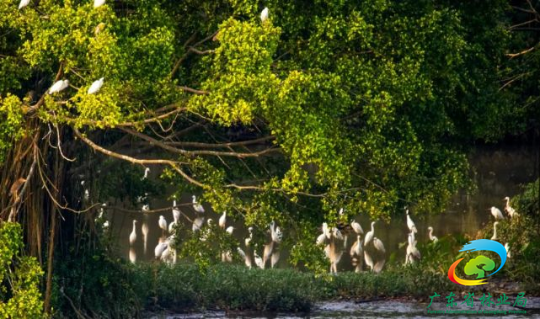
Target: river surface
<point>384,309</point>
<point>497,173</point>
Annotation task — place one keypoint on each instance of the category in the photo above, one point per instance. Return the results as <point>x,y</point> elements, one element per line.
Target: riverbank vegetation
<point>304,115</point>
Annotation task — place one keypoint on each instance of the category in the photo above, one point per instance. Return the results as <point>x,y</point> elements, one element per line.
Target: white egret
<point>337,233</point>
<point>197,224</point>
<point>378,245</point>
<point>357,228</point>
<point>431,237</point>
<point>321,239</point>
<point>145,207</point>
<point>496,213</point>
<point>230,230</point>
<point>106,225</point>
<point>507,247</point>
<point>410,223</point>
<point>196,206</point>
<point>368,260</point>
<point>241,252</point>
<point>494,237</point>
<point>59,86</point>
<point>275,233</point>
<point>162,223</point>
<point>23,4</point>
<point>264,15</point>
<point>176,212</point>
<point>326,230</point>
<point>247,257</point>
<point>412,252</point>
<point>508,209</point>
<point>133,235</point>
<point>86,194</point>
<point>94,88</point>
<point>98,3</point>
<point>146,171</point>
<point>258,260</point>
<point>160,248</point>
<point>223,220</point>
<point>369,235</point>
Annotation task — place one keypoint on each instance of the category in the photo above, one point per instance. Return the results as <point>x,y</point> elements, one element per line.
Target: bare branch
<point>188,89</point>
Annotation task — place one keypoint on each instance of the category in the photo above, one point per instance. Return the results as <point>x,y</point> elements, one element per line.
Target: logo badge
<point>479,265</point>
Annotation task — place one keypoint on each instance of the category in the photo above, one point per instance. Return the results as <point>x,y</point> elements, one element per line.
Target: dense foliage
<point>366,105</point>
<point>20,296</point>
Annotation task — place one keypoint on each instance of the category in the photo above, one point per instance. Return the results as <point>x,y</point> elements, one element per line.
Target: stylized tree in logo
<point>478,266</point>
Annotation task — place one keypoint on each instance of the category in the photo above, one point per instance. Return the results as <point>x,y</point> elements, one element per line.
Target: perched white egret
<point>230,230</point>
<point>23,4</point>
<point>146,171</point>
<point>496,213</point>
<point>431,237</point>
<point>410,223</point>
<point>369,235</point>
<point>378,245</point>
<point>264,15</point>
<point>258,260</point>
<point>162,223</point>
<point>508,209</point>
<point>94,88</point>
<point>59,86</point>
<point>247,257</point>
<point>176,212</point>
<point>98,3</point>
<point>197,224</point>
<point>196,206</point>
<point>357,228</point>
<point>412,252</point>
<point>321,239</point>
<point>160,248</point>
<point>337,233</point>
<point>223,220</point>
<point>494,237</point>
<point>326,230</point>
<point>133,235</point>
<point>145,207</point>
<point>106,225</point>
<point>368,260</point>
<point>144,230</point>
<point>507,247</point>
<point>275,233</point>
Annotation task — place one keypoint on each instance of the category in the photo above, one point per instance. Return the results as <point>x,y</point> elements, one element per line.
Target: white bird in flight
<point>59,86</point>
<point>94,88</point>
<point>264,15</point>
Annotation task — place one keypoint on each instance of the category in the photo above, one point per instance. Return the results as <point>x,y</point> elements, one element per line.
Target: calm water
<point>498,173</point>
<point>378,309</point>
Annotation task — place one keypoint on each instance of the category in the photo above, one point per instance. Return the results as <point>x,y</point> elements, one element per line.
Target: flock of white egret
<point>499,216</point>
<point>334,240</point>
